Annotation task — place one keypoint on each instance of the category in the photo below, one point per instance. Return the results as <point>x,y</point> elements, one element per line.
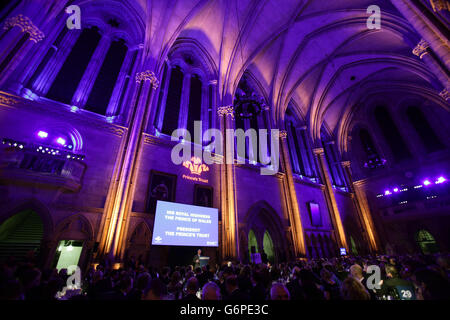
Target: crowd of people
<point>408,277</point>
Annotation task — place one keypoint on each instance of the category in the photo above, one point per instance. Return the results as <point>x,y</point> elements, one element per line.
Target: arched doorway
<point>426,242</point>
<point>268,247</point>
<point>353,247</point>
<point>252,244</point>
<point>21,235</point>
<point>265,233</point>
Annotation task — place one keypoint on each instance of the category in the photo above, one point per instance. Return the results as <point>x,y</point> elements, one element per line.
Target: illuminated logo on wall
<point>196,168</point>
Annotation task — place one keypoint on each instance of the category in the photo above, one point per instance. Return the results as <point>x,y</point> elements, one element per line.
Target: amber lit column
<point>360,200</point>
<point>293,207</point>
<point>319,154</point>
<point>227,195</point>
<point>121,190</point>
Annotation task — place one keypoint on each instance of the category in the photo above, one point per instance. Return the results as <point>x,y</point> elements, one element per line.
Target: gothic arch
<point>36,206</point>
<point>75,227</point>
<point>261,217</point>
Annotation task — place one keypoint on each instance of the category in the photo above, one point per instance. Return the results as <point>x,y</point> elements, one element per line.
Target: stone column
<point>119,86</point>
<point>45,80</point>
<point>121,189</point>
<point>422,50</point>
<point>84,88</point>
<point>329,195</point>
<point>17,26</point>
<point>297,234</point>
<point>159,117</point>
<point>230,221</point>
<point>363,211</point>
<point>437,40</point>
<point>184,103</point>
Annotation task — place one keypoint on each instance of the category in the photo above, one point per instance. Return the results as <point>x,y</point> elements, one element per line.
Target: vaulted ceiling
<point>319,53</point>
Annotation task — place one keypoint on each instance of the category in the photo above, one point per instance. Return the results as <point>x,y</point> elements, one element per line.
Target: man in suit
<point>196,259</point>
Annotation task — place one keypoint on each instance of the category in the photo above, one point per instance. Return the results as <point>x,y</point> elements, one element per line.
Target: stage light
<point>395,189</point>
<point>387,192</point>
<point>42,134</point>
<point>61,141</point>
<point>441,179</point>
<point>426,182</point>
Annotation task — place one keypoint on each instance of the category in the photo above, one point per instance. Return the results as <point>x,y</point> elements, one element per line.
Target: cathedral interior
<point>87,111</point>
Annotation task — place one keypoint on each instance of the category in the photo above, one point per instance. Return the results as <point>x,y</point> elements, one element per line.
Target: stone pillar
<point>25,71</point>
<point>17,26</point>
<point>45,80</point>
<point>120,194</point>
<point>363,211</point>
<point>184,103</point>
<point>230,221</point>
<point>119,86</point>
<point>437,40</point>
<point>297,234</point>
<point>84,88</point>
<point>422,50</point>
<point>159,117</point>
<point>329,195</point>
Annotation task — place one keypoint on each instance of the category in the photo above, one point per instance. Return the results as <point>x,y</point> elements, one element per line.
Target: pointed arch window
<point>423,128</point>
<point>172,108</point>
<point>391,134</point>
<point>68,78</point>
<point>372,158</point>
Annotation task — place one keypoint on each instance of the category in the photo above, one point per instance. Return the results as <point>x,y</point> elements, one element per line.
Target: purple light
<point>387,192</point>
<point>426,182</point>
<point>395,189</point>
<point>42,134</point>
<point>61,141</point>
<point>441,179</point>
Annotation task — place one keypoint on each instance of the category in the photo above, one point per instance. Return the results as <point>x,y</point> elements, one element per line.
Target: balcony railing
<point>40,165</point>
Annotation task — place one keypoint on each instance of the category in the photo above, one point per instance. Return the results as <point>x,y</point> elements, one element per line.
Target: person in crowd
<point>191,290</point>
<point>395,287</point>
<point>352,289</point>
<point>331,288</point>
<point>279,292</point>
<point>411,276</point>
<point>156,290</point>
<point>175,287</point>
<point>431,285</point>
<point>211,291</point>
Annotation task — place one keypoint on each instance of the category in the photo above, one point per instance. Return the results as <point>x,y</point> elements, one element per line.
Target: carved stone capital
<point>25,23</point>
<point>318,151</point>
<point>439,5</point>
<point>345,164</point>
<point>444,94</point>
<point>421,49</point>
<point>147,76</point>
<point>283,134</point>
<point>225,111</point>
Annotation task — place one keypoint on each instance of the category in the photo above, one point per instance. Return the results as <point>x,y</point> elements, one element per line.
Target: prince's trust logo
<point>195,166</point>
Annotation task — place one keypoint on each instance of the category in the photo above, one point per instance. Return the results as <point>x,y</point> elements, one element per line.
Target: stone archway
<point>264,222</point>
<point>75,228</point>
<point>138,244</point>
<point>29,214</point>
